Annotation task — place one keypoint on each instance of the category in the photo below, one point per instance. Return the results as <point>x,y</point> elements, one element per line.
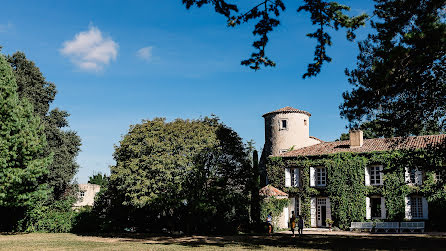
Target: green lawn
<point>44,241</point>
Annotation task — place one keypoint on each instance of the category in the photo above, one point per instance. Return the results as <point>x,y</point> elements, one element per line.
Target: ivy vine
<point>346,182</point>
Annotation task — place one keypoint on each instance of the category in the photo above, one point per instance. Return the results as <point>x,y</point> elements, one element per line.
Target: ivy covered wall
<point>346,182</point>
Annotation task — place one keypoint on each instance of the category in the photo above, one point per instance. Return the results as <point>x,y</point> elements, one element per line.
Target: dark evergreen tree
<point>23,164</point>
<point>63,144</point>
<point>255,188</point>
<point>399,83</point>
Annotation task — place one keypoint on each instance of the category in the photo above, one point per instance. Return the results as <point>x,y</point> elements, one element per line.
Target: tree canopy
<point>193,170</point>
<point>399,82</point>
<point>62,143</point>
<point>325,15</point>
<point>23,165</point>
<point>98,179</point>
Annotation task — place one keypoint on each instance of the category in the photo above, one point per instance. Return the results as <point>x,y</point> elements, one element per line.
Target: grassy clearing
<point>45,241</point>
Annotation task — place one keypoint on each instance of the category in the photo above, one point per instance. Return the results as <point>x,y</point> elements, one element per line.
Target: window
<point>283,124</point>
<point>321,176</point>
<point>375,175</point>
<point>283,150</point>
<point>437,176</point>
<point>294,177</point>
<point>305,122</point>
<point>412,174</point>
<point>82,194</point>
<point>416,207</point>
<point>375,204</point>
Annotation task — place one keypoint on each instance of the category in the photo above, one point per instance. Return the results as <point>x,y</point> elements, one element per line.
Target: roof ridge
<point>287,109</point>
<point>370,145</point>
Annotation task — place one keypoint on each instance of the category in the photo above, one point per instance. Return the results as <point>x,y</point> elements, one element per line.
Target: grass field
<point>45,241</point>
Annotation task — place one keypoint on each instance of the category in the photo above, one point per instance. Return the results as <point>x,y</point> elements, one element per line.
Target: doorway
<point>321,212</point>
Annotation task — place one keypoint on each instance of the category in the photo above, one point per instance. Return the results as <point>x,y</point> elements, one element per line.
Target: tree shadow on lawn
<point>309,241</point>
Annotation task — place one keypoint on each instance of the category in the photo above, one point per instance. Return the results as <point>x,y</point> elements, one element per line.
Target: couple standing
<point>300,223</point>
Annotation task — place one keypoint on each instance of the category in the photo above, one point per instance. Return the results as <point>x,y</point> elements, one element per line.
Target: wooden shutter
<point>425,208</point>
<point>407,208</point>
<point>407,174</point>
<point>381,175</point>
<point>312,176</point>
<point>383,208</point>
<point>300,206</point>
<point>287,177</point>
<point>313,212</point>
<point>419,177</point>
<point>367,175</point>
<point>328,210</point>
<point>368,209</point>
<point>286,218</point>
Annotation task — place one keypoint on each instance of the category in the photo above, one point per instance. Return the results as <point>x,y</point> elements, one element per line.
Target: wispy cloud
<point>89,50</point>
<point>6,27</point>
<point>145,53</point>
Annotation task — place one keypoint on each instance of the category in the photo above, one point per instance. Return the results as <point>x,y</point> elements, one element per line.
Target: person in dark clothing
<point>300,225</point>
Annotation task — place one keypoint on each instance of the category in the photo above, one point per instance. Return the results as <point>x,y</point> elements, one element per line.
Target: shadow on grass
<point>309,241</point>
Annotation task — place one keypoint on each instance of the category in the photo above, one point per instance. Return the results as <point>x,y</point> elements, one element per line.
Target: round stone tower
<point>285,129</point>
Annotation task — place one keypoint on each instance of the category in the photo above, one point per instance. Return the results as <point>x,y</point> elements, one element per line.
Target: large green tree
<point>191,171</point>
<point>62,143</point>
<point>98,179</point>
<point>325,15</point>
<point>23,164</point>
<point>399,83</point>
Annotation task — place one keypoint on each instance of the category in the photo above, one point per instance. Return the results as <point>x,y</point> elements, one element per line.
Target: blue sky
<point>117,62</point>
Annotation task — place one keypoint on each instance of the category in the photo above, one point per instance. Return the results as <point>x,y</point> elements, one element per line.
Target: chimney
<point>356,138</point>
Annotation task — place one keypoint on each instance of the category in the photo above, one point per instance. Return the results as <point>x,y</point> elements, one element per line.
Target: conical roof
<point>287,109</point>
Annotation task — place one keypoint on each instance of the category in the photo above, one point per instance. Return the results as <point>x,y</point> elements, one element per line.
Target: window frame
<point>375,175</point>
<point>281,127</point>
<point>293,171</point>
<point>319,177</point>
<point>416,209</point>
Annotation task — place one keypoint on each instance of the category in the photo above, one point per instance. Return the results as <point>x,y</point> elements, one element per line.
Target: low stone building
<point>86,195</point>
<point>269,191</point>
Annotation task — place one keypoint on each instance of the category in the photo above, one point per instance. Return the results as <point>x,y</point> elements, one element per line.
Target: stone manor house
<point>287,135</point>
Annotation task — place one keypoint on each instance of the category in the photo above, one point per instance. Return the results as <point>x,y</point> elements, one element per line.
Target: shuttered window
<point>375,175</point>
<point>294,177</point>
<point>412,174</point>
<point>321,176</point>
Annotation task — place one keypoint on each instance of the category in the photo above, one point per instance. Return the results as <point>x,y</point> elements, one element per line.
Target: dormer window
<point>283,124</point>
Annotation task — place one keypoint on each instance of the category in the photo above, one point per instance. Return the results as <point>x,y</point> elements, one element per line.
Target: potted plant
<point>329,223</point>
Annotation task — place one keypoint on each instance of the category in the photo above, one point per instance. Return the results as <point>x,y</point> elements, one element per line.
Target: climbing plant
<point>274,206</point>
<point>346,181</point>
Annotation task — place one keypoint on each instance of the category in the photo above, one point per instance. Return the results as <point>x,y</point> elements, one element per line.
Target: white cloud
<point>89,50</point>
<point>145,53</point>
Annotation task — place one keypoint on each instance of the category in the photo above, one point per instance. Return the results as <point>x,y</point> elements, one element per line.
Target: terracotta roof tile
<point>287,109</point>
<point>268,191</point>
<point>311,137</point>
<point>369,145</point>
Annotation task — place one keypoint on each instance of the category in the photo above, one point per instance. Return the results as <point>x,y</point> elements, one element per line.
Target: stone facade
<point>86,196</point>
